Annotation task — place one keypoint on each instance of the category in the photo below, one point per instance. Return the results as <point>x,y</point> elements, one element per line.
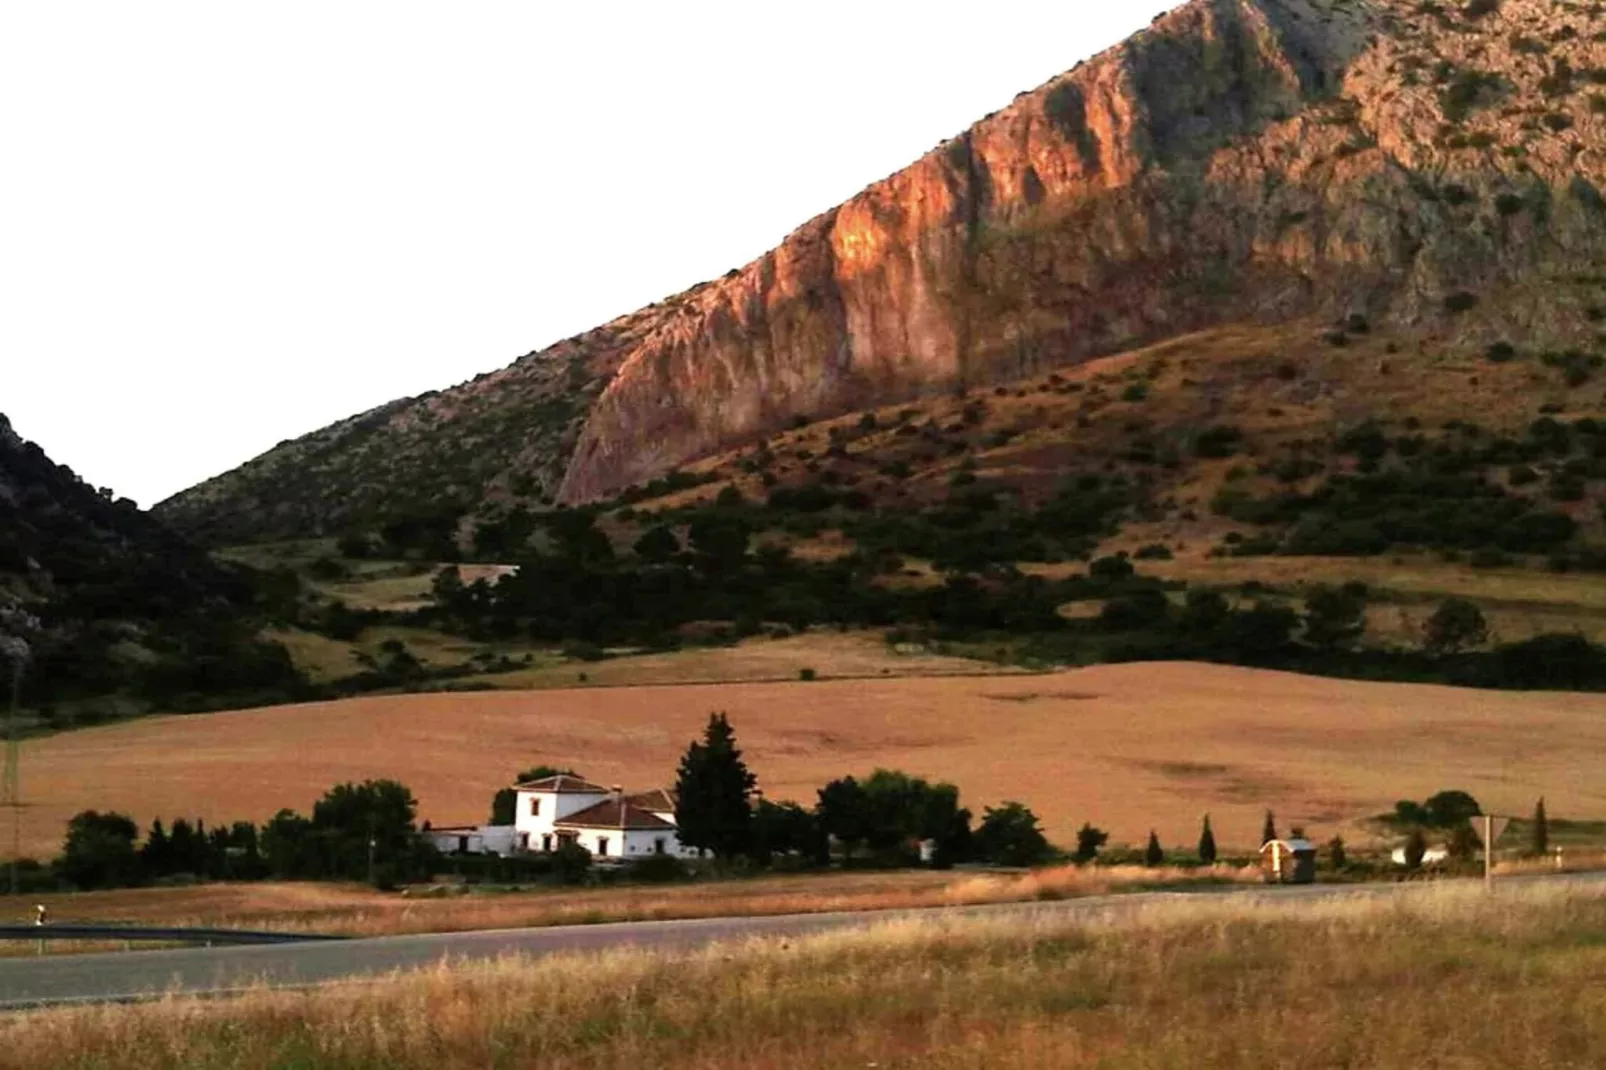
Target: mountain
<point>125,614</point>
<point>1428,169</point>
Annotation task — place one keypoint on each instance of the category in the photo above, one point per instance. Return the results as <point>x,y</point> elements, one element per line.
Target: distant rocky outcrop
<point>1414,163</point>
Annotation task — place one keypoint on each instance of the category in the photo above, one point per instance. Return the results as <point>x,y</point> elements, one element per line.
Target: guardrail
<point>129,933</point>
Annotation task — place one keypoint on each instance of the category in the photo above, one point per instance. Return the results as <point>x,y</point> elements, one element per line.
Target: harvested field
<point>1128,747</point>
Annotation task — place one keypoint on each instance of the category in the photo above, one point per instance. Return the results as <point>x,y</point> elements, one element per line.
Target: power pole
<point>1488,852</point>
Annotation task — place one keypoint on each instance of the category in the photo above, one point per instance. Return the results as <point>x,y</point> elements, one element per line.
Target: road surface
<point>133,975</point>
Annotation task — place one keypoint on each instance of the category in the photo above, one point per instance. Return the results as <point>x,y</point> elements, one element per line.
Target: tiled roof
<point>562,785</point>
<point>659,799</point>
<point>613,814</point>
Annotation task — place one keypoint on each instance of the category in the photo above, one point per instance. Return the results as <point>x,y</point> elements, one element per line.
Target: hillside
<point>128,614</point>
<point>1429,172</point>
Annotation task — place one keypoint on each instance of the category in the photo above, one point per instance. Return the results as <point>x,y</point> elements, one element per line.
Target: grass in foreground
<point>1441,978</point>
<point>353,910</point>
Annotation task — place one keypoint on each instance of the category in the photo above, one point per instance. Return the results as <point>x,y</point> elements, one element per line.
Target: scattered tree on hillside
<point>1207,843</point>
<point>1268,831</point>
<point>1335,617</point>
<point>712,807</point>
<point>1336,854</point>
<point>1539,835</point>
<point>1455,626</point>
<point>506,800</point>
<point>657,545</point>
<point>1153,854</point>
<point>1010,836</point>
<point>1088,842</point>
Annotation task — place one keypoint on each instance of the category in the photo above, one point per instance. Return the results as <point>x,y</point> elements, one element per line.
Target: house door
<point>546,842</point>
<point>602,846</point>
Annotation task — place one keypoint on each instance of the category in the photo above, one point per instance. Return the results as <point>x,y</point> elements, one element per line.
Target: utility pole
<point>1488,852</point>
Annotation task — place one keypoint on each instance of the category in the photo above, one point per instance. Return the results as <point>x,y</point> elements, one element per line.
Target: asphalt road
<point>133,975</point>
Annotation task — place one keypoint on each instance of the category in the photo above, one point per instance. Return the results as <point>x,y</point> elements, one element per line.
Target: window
<point>535,806</point>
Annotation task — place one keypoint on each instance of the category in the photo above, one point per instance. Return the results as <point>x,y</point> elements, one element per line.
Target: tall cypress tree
<point>713,811</point>
<point>1154,854</point>
<point>1269,831</point>
<point>1540,836</point>
<point>1207,843</point>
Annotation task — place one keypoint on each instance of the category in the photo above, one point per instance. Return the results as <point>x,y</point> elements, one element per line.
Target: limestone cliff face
<point>1239,159</point>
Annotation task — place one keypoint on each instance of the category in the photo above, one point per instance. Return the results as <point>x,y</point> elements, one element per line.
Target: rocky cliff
<point>1424,164</point>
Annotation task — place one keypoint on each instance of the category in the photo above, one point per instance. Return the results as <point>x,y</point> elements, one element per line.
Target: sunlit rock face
<point>1237,160</point>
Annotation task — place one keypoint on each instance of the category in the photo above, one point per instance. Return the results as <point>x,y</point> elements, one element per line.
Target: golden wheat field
<point>1128,747</point>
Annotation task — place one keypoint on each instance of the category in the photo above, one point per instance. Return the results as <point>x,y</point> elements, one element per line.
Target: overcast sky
<point>226,224</point>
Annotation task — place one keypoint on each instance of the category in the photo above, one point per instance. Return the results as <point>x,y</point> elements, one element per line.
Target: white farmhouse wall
<point>534,827</point>
<point>628,844</point>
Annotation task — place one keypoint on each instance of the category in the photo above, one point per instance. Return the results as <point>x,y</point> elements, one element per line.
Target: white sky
<point>225,224</point>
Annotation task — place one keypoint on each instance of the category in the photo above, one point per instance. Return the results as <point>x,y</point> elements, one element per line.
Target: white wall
<point>532,828</point>
<point>629,844</point>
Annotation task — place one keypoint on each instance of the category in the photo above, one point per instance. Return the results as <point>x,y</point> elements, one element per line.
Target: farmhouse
<point>610,824</point>
<point>473,839</point>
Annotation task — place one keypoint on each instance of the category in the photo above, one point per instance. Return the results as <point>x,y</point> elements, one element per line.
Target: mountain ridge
<point>1238,161</point>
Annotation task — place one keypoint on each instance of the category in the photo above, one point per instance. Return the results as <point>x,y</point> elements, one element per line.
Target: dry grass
<point>831,654</point>
<point>1442,979</point>
<point>355,910</point>
<point>1128,747</point>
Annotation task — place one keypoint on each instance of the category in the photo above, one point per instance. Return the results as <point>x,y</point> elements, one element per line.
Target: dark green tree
<point>1336,855</point>
<point>367,831</point>
<point>785,829</point>
<point>1268,831</point>
<point>1088,842</point>
<point>843,812</point>
<point>99,851</point>
<point>1335,617</point>
<point>288,847</point>
<point>1009,835</point>
<point>720,541</point>
<point>713,811</point>
<point>657,545</point>
<point>156,856</point>
<point>1539,835</point>
<point>1455,626</point>
<point>1153,854</point>
<point>504,802</point>
<point>1207,843</point>
<point>1448,809</point>
<point>1204,612</point>
<point>905,809</point>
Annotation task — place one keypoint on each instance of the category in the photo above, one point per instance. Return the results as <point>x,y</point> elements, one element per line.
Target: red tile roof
<point>613,814</point>
<point>661,800</point>
<point>562,785</point>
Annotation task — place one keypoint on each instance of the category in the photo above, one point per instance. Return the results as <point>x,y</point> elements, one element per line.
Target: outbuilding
<point>1290,861</point>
